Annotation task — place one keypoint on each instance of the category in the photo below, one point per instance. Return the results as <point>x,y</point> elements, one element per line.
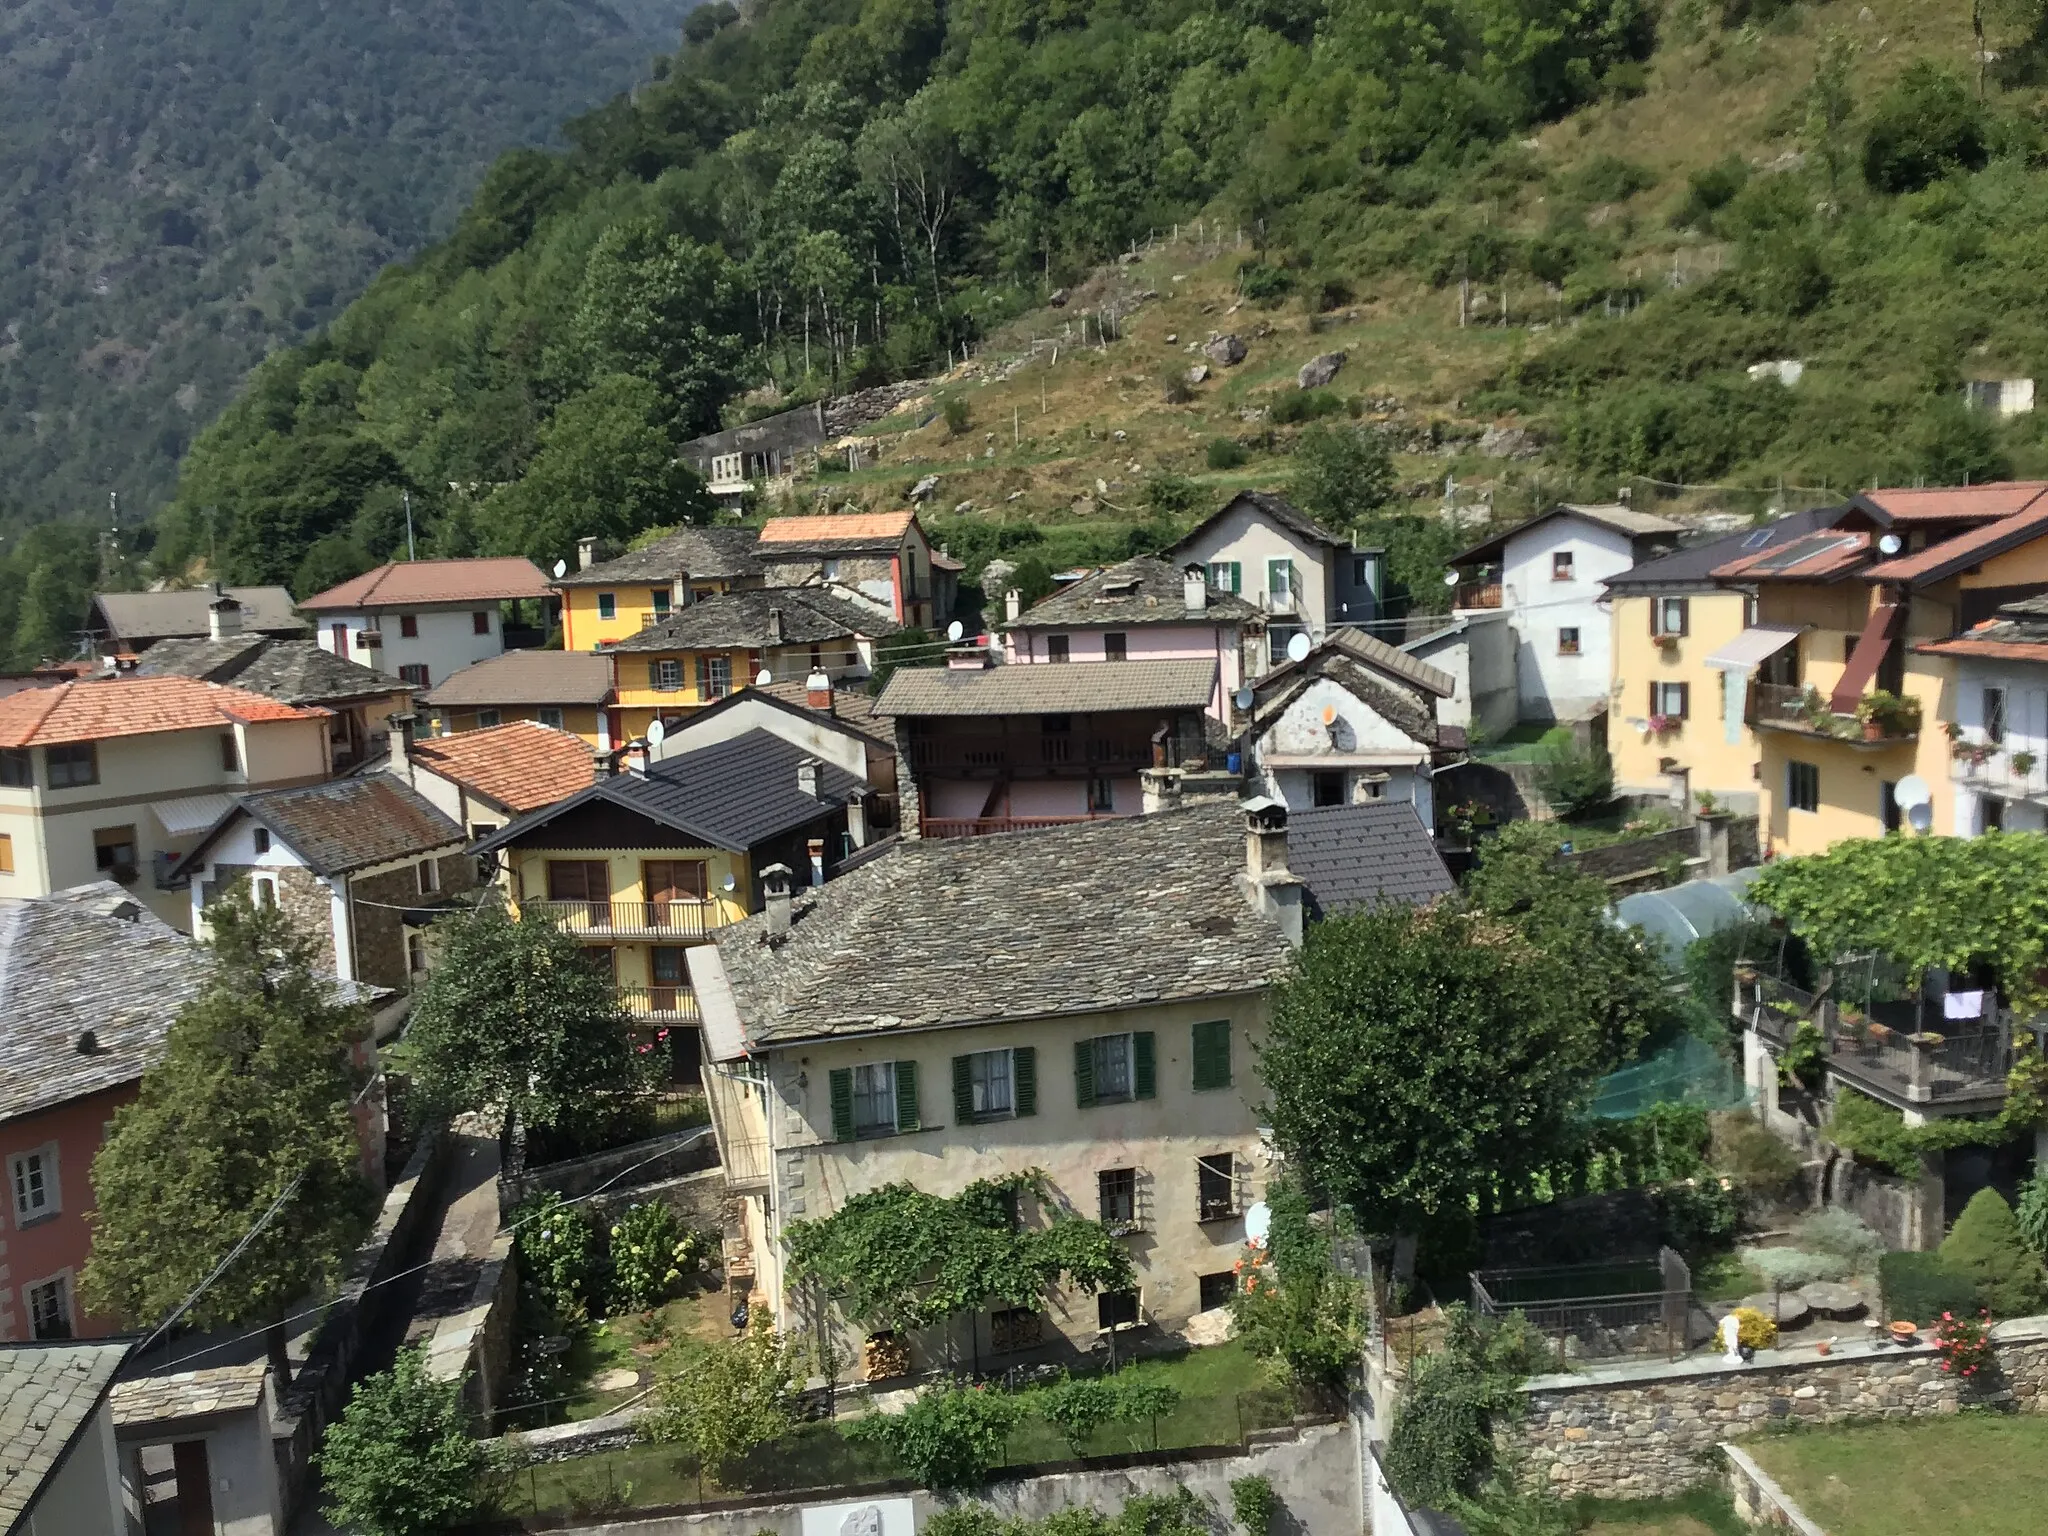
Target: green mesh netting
<point>1690,1072</point>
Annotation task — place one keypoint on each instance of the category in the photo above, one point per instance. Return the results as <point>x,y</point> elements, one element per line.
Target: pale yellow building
<point>1086,1001</point>
<point>605,601</point>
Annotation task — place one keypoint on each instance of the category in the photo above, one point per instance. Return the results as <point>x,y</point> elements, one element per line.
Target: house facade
<point>984,748</point>
<point>1998,763</point>
<point>604,601</point>
<point>1478,652</point>
<point>1143,610</point>
<point>421,620</point>
<point>882,557</point>
<point>978,1039</point>
<point>113,779</point>
<point>562,690</point>
<point>1304,579</point>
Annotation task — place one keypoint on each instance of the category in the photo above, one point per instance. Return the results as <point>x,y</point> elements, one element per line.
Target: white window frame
<point>60,1283</point>
<point>992,1075</point>
<point>1280,581</point>
<point>34,1184</point>
<point>1227,576</point>
<point>263,890</point>
<point>874,1086</point>
<point>1671,700</point>
<point>428,872</point>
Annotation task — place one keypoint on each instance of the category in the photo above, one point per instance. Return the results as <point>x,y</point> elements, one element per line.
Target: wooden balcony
<point>986,826</point>
<point>665,922</point>
<point>1045,754</point>
<point>1803,711</point>
<point>1478,594</point>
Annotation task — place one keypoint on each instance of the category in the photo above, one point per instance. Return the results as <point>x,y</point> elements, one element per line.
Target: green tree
<point>1424,1062</point>
<point>1830,102</point>
<point>400,1461</point>
<point>950,1436</point>
<point>330,562</point>
<point>655,306</point>
<point>1442,1445</point>
<point>1925,126</point>
<point>1986,1245</point>
<point>248,1110</point>
<point>516,1016</point>
<point>1341,473</point>
<point>732,1397</point>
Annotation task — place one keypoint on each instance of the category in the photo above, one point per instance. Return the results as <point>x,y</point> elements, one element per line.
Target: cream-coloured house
<point>1087,1001</point>
<point>1305,578</point>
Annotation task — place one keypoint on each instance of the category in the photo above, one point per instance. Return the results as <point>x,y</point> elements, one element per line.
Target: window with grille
<point>1116,1192</point>
<point>49,1309</point>
<point>1216,1186</point>
<point>1116,1309</point>
<point>1802,786</point>
<point>1015,1328</point>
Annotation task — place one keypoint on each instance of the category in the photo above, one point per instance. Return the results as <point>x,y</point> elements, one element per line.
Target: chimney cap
<point>774,876</point>
<point>1264,813</point>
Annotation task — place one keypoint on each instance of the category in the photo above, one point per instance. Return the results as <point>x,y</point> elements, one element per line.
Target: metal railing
<point>986,826</point>
<point>1791,707</point>
<point>658,1004</point>
<point>1898,1050</point>
<point>661,920</point>
<point>1627,1307</point>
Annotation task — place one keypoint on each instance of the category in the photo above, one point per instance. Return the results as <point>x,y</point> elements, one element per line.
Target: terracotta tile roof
<point>868,530</point>
<point>527,677</point>
<point>1939,561</point>
<point>413,583</point>
<point>522,766</point>
<point>132,706</point>
<point>1954,503</point>
<point>1988,650</point>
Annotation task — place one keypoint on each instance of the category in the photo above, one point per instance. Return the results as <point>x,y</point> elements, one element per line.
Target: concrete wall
<point>1554,685</point>
<point>1479,651</point>
<point>83,1496</point>
<point>1360,741</point>
<point>1759,1500</point>
<point>812,732</point>
<point>1700,745</point>
<point>1246,537</point>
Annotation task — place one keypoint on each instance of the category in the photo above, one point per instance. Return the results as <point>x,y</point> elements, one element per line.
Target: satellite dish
<point>729,884</point>
<point>1243,698</point>
<point>1891,544</point>
<point>1450,578</point>
<point>955,630</point>
<point>1329,714</point>
<point>1921,817</point>
<point>1258,1222</point>
<point>561,568</point>
<point>1912,792</point>
<point>763,678</point>
<point>656,731</point>
<point>1298,648</point>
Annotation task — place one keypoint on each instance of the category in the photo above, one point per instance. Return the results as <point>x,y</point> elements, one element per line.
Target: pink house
<point>1142,610</point>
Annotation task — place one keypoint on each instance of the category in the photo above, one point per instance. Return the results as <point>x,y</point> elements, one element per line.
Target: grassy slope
<point>1927,1478</point>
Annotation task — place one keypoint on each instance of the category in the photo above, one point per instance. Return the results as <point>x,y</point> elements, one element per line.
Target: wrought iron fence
<point>1625,1307</point>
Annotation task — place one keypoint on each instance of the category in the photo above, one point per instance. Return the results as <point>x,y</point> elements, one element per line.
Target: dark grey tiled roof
<point>47,1394</point>
<point>708,552</point>
<point>739,621</point>
<point>526,677</point>
<point>1276,509</point>
<point>146,616</point>
<point>293,671</point>
<point>1146,590</point>
<point>955,931</point>
<point>1395,700</point>
<point>732,795</point>
<point>1082,687</point>
<point>1362,855</point>
<point>1693,566</point>
<point>344,824</point>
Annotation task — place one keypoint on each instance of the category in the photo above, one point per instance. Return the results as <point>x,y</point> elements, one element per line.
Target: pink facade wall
<point>1143,642</point>
<point>54,1245</point>
<point>960,799</point>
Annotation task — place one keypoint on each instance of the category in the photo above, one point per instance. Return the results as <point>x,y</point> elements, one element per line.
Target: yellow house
<point>607,601</point>
<point>1669,728</point>
<point>559,689</point>
<point>1852,709</point>
<point>645,863</point>
<point>707,651</point>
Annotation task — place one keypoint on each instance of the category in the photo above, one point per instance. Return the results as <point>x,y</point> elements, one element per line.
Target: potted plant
<point>2023,763</point>
<point>1883,714</point>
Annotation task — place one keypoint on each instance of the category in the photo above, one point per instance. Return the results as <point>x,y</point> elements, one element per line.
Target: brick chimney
<point>1267,883</point>
<point>635,759</point>
<point>777,631</point>
<point>401,738</point>
<point>586,554</point>
<point>818,691</point>
<point>1013,604</point>
<point>1194,589</point>
<point>807,777</point>
<point>223,616</point>
<point>775,898</point>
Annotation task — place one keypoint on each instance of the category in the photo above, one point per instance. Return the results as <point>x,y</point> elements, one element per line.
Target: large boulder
<point>924,487</point>
<point>1226,350</point>
<point>1318,371</point>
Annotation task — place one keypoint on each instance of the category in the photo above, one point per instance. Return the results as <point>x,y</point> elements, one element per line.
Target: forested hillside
<point>185,184</point>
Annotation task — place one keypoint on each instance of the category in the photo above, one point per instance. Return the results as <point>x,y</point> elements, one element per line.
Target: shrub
<point>2032,1213</point>
<point>1301,405</point>
<point>1918,1287</point>
<point>1263,284</point>
<point>1985,1245</point>
<point>1252,1504</point>
<point>561,1254</point>
<point>1787,1269</point>
<point>1845,1236</point>
<point>651,1253</point>
<point>1178,390</point>
<point>400,1461</point>
<point>1077,1406</point>
<point>1753,1330</point>
<point>1577,782</point>
<point>958,417</point>
<point>1441,1446</point>
<point>949,1437</point>
<point>1750,1155</point>
<point>1697,1216</point>
<point>1171,496</point>
<point>1609,179</point>
<point>732,1398</point>
<point>1222,453</point>
<point>1925,126</point>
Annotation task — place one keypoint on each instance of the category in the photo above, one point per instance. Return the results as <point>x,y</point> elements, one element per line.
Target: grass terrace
<point>1976,1473</point>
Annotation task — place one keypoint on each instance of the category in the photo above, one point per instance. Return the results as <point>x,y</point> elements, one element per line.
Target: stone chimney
<point>807,777</point>
<point>223,616</point>
<point>586,554</point>
<point>967,658</point>
<point>1268,885</point>
<point>1159,789</point>
<point>1013,604</point>
<point>775,898</point>
<point>857,823</point>
<point>777,631</point>
<point>401,738</point>
<point>818,691</point>
<point>1194,589</point>
<point>635,759</point>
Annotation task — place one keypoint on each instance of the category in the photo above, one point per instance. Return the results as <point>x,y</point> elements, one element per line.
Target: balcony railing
<point>1052,753</point>
<point>985,826</point>
<point>1900,1052</point>
<point>667,921</point>
<point>1793,707</point>
<point>1993,769</point>
<point>1478,594</point>
<point>659,1005</point>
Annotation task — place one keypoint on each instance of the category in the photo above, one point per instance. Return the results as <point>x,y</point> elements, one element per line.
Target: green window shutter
<point>1144,1072</point>
<point>963,1089</point>
<point>1237,578</point>
<point>842,1103</point>
<point>906,1096</point>
<point>1084,1073</point>
<point>1024,1079</point>
<point>654,674</point>
<point>1212,1054</point>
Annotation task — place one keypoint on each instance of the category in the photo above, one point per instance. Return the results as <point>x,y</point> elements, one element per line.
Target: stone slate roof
<point>526,677</point>
<point>1146,590</point>
<point>140,617</point>
<point>712,552</point>
<point>342,825</point>
<point>732,795</point>
<point>1363,855</point>
<point>189,1394</point>
<point>293,671</point>
<point>1276,509</point>
<point>735,621</point>
<point>851,710</point>
<point>1383,688</point>
<point>1085,687</point>
<point>48,1394</point>
<point>947,932</point>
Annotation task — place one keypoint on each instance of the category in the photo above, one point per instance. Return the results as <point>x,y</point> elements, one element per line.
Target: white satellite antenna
<point>763,678</point>
<point>1912,792</point>
<point>1450,578</point>
<point>561,569</point>
<point>1891,544</point>
<point>955,630</point>
<point>1298,647</point>
<point>656,732</point>
<point>1258,1223</point>
<point>1243,698</point>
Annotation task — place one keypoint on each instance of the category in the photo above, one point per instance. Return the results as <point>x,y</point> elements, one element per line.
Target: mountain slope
<point>185,184</point>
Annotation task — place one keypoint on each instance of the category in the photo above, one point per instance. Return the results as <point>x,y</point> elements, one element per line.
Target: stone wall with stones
<point>1647,1429</point>
<point>378,910</point>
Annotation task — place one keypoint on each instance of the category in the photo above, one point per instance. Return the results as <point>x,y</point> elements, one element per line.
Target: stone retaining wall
<point>1648,1429</point>
<point>1759,1500</point>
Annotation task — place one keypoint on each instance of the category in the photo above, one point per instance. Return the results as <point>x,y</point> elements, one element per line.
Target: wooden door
<point>665,966</point>
<point>669,883</point>
<point>586,881</point>
<point>195,1488</point>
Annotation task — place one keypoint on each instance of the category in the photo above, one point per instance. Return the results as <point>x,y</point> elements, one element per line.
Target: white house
<point>421,620</point>
<point>1478,651</point>
<point>1546,574</point>
<point>1304,578</point>
<point>2000,762</point>
<point>1353,721</point>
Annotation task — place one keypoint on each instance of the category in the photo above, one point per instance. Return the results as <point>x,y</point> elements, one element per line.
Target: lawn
<point>1702,1512</point>
<point>1974,1473</point>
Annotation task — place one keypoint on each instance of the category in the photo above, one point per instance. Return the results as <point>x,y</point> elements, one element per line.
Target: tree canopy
<point>400,1461</point>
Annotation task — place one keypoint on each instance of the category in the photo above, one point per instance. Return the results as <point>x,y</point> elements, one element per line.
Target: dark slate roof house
<point>341,826</point>
<point>1364,855</point>
<point>135,621</point>
<point>292,671</point>
<point>716,553</point>
<point>1144,590</point>
<point>741,620</point>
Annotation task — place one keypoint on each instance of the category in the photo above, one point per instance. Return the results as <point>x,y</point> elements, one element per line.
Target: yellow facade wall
<point>1700,744</point>
<point>585,628</point>
<point>641,702</point>
<point>578,720</point>
<point>528,874</point>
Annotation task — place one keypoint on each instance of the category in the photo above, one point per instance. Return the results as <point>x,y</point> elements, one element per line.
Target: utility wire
<point>219,1269</point>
